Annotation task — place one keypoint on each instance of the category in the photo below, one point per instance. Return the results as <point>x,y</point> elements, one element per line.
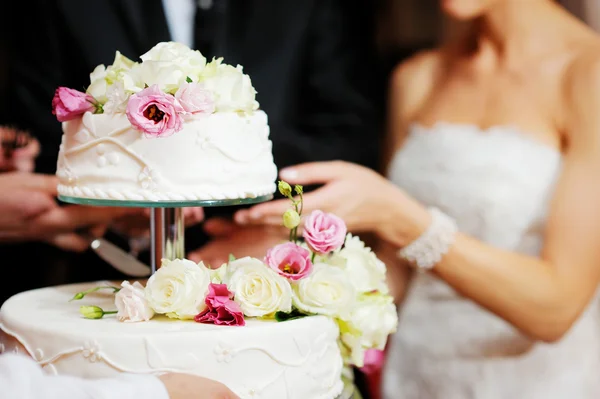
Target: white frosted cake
<point>172,127</point>
<point>296,359</point>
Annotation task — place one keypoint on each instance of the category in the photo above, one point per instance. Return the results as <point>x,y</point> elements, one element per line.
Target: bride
<point>494,193</point>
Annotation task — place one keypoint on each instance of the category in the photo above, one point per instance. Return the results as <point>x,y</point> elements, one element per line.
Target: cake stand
<point>167,227</point>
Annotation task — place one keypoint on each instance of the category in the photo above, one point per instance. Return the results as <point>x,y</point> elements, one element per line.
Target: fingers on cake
<point>290,325</point>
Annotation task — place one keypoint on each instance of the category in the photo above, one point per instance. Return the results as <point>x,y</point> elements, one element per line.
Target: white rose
<point>131,303</point>
<point>119,68</point>
<point>98,84</point>
<point>167,75</point>
<point>178,288</point>
<point>375,317</point>
<point>232,89</point>
<point>168,65</point>
<point>176,53</point>
<point>327,291</point>
<point>257,288</point>
<point>102,78</point>
<point>366,272</point>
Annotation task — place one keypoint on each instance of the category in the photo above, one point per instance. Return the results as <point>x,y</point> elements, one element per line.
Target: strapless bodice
<point>497,184</point>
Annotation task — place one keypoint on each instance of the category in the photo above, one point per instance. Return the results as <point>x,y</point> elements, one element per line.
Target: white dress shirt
<point>180,16</point>
<point>22,378</point>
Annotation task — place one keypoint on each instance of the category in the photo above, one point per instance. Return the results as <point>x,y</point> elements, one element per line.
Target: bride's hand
<point>365,200</point>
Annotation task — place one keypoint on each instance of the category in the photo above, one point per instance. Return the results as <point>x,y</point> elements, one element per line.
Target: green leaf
<point>294,314</point>
<point>231,258</point>
<point>187,79</point>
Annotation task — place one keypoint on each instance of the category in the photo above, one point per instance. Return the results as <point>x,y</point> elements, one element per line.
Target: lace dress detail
<point>496,183</point>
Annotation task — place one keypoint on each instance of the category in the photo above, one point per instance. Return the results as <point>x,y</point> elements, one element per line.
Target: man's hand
<point>230,238</point>
<point>186,386</point>
<point>21,159</point>
<point>29,212</point>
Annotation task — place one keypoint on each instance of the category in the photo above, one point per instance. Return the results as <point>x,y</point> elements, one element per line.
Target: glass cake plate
<point>167,227</point>
<point>164,204</point>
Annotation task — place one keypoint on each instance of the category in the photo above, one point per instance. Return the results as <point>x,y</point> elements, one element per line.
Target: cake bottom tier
<point>296,359</point>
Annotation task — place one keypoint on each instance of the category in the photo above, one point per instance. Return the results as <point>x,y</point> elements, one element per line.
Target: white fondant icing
<point>296,359</point>
<point>222,156</point>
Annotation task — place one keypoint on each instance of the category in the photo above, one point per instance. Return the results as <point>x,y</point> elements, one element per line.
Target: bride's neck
<point>513,30</point>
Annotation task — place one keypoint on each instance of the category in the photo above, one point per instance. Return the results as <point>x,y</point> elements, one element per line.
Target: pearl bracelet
<point>427,251</point>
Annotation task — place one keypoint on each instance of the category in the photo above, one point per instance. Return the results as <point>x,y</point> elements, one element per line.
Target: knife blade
<point>119,259</point>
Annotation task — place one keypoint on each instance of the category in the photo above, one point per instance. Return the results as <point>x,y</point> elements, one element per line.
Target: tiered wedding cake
<point>286,326</point>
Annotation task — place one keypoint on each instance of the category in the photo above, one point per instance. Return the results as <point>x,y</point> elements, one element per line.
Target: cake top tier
<point>171,81</point>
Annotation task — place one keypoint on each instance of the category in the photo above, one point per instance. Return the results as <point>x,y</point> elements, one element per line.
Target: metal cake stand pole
<point>167,235</point>
<point>167,226</point>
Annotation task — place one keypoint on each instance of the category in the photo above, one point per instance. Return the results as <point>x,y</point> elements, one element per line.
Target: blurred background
<point>407,26</point>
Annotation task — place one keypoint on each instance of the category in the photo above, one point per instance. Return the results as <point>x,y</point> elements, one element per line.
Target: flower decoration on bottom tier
<point>326,271</point>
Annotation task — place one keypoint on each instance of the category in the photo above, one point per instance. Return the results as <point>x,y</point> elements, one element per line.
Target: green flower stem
<point>312,259</point>
<point>111,312</point>
<point>82,294</point>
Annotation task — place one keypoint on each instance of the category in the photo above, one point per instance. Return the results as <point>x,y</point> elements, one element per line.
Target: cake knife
<point>119,259</point>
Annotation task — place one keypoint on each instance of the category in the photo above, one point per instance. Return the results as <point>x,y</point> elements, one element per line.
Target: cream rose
<point>366,272</point>
<point>178,289</point>
<point>375,316</point>
<point>131,303</point>
<point>102,78</point>
<point>232,89</point>
<point>168,65</point>
<point>327,291</point>
<point>257,288</point>
<point>98,84</point>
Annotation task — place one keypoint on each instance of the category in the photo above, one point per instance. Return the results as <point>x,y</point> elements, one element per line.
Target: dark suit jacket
<point>311,61</point>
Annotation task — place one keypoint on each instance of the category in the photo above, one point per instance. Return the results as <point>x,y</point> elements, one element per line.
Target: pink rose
<point>324,232</point>
<point>154,112</point>
<point>290,261</point>
<point>374,359</point>
<point>195,99</point>
<point>220,308</point>
<point>68,104</point>
<point>131,303</point>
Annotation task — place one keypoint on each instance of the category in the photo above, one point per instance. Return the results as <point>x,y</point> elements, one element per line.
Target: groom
<point>311,62</point>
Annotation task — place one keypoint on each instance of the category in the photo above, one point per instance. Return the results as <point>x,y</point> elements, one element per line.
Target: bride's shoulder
<point>581,92</point>
<point>412,80</point>
<point>583,72</point>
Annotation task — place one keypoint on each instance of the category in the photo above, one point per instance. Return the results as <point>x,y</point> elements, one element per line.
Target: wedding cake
<point>171,127</point>
<point>287,326</point>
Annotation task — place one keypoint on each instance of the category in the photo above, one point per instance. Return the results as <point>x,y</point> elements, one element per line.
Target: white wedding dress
<point>497,184</point>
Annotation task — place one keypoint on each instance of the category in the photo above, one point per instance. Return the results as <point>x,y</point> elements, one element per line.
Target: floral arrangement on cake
<point>325,272</point>
<point>172,82</point>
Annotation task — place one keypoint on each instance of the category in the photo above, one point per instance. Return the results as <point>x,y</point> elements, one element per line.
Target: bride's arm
<point>541,296</point>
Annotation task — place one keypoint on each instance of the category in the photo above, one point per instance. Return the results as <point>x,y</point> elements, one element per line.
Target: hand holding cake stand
<point>167,227</point>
